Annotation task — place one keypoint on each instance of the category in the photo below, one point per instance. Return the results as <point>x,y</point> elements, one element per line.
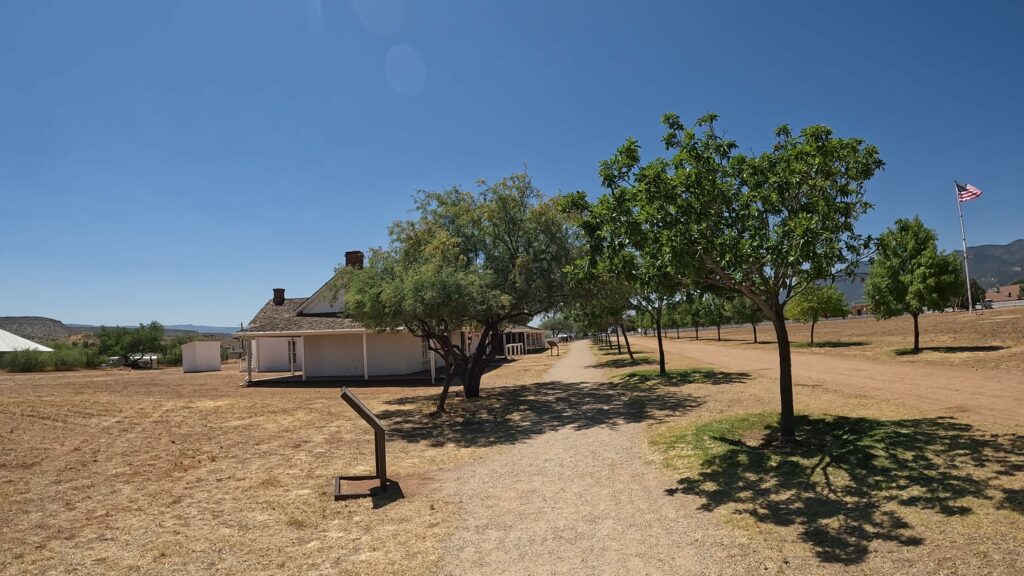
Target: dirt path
<point>987,397</point>
<point>586,501</point>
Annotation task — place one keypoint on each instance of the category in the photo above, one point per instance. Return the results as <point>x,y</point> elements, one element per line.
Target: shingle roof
<point>283,318</point>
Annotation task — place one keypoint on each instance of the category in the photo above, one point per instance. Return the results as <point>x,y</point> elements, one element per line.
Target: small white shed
<point>200,356</point>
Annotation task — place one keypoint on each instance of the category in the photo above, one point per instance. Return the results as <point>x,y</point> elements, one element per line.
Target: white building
<point>313,336</point>
<point>200,356</point>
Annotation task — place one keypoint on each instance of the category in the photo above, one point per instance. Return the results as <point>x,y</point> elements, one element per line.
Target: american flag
<point>965,192</point>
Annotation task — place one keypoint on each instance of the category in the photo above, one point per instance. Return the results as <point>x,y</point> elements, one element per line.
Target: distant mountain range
<point>991,265</point>
<point>175,328</point>
<point>41,328</point>
<point>994,264</point>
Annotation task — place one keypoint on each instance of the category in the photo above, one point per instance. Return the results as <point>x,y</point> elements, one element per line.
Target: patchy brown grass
<point>122,472</point>
<point>989,339</point>
<point>884,487</point>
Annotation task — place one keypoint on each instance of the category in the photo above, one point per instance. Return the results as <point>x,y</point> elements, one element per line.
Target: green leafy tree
<point>131,344</point>
<point>716,312</point>
<point>558,323</point>
<point>815,302</point>
<point>599,300</point>
<point>468,261</point>
<point>910,275</point>
<point>758,225</point>
<point>742,310</point>
<point>960,302</point>
<point>693,312</point>
<point>624,244</point>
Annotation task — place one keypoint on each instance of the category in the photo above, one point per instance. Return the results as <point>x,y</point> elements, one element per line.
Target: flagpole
<point>963,236</point>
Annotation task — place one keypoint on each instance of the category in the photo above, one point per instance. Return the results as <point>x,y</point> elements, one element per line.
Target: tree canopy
<point>759,225</point>
<point>469,261</point>
<point>131,344</point>
<point>910,275</point>
<point>816,302</point>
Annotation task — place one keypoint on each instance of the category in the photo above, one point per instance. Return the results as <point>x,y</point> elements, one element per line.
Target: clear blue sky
<point>177,160</point>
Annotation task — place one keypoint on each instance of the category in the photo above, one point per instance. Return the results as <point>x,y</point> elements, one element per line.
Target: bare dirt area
<point>129,472</point>
<point>904,468</point>
<point>992,339</point>
<point>565,465</point>
<point>586,496</point>
<point>990,396</point>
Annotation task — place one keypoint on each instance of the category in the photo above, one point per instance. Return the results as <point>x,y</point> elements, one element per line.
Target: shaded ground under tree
<point>852,481</point>
<point>511,414</point>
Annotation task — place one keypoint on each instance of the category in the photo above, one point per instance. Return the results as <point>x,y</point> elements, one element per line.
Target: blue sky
<point>177,160</point>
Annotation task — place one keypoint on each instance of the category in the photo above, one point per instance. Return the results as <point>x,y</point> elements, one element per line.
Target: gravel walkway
<point>582,502</point>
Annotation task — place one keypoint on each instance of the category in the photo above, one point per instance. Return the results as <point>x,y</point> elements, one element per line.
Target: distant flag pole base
<point>966,193</point>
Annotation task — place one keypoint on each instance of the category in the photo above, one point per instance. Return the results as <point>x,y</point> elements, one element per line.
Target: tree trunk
<point>787,420</point>
<point>812,331</point>
<point>677,332</point>
<point>917,334</point>
<point>625,337</point>
<point>754,326</point>
<point>719,327</point>
<point>617,341</point>
<point>471,385</point>
<point>696,332</point>
<point>483,355</point>
<point>661,347</point>
<point>449,376</point>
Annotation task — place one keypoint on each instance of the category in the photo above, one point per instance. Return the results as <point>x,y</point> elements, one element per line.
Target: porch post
<point>366,369</point>
<point>248,359</point>
<point>291,355</point>
<point>303,358</point>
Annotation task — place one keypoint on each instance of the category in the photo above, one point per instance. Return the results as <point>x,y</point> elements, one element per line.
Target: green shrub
<point>75,356</point>
<point>65,359</point>
<point>26,361</point>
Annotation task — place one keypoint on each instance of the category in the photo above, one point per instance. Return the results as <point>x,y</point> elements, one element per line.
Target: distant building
<point>1008,293</point>
<point>860,309</point>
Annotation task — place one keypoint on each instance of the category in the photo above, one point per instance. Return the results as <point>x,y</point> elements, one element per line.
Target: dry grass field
<point>159,472</point>
<point>132,472</point>
<point>876,487</point>
<point>988,339</point>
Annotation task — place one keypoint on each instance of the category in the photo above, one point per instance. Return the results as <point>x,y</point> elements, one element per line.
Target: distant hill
<point>853,288</point>
<point>204,329</point>
<point>994,264</point>
<point>38,328</point>
<point>991,264</point>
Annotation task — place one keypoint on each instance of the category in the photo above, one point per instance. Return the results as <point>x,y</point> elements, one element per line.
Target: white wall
<point>334,355</point>
<point>200,356</point>
<point>271,354</point>
<point>394,353</point>
<point>387,354</point>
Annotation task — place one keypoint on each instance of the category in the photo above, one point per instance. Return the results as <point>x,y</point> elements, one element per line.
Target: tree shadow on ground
<point>844,485</point>
<point>1013,499</point>
<point>948,349</point>
<point>682,377</point>
<point>625,362</point>
<point>512,414</point>
<point>828,344</point>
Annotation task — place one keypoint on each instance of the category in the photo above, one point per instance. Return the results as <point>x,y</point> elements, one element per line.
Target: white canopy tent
<point>12,343</point>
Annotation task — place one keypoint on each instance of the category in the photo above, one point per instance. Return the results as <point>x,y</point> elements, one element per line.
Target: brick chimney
<point>354,258</point>
<point>278,296</point>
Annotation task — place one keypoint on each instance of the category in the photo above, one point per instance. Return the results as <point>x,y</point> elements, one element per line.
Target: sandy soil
<point>993,339</point>
<point>159,472</point>
<point>989,397</point>
<point>582,501</point>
